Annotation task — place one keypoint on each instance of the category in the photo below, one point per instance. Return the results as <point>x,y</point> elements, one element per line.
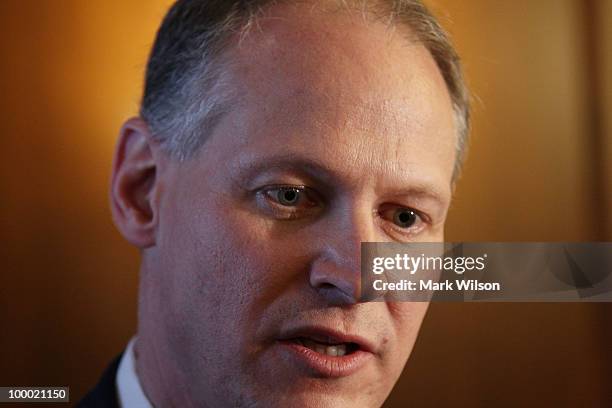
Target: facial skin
<point>359,122</point>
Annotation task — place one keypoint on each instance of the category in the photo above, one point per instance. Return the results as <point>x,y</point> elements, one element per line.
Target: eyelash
<point>421,223</point>
<point>287,212</point>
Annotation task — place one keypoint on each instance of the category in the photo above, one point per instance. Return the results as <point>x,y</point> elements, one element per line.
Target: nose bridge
<point>354,225</point>
<point>336,274</point>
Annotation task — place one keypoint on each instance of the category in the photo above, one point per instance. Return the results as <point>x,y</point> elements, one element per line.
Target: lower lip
<point>324,365</point>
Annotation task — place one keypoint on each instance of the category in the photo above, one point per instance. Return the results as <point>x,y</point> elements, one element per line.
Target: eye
<point>289,202</point>
<point>405,217</point>
<point>403,220</point>
<point>288,196</point>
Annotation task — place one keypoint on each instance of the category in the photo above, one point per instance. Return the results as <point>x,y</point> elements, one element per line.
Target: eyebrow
<point>293,162</point>
<point>421,189</point>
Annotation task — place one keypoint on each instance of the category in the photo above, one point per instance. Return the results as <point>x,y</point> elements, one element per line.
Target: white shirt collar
<point>129,389</point>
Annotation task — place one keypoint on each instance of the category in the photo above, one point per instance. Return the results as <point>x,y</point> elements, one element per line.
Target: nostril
<point>334,295</point>
<point>338,284</point>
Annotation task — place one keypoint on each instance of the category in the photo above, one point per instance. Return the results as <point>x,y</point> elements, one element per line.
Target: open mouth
<point>325,352</point>
<point>329,347</point>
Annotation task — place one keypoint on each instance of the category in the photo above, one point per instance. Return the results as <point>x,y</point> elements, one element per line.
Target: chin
<point>318,399</point>
<point>320,393</point>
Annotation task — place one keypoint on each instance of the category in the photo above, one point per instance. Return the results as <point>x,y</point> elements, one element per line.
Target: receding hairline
<point>369,11</point>
<point>239,20</point>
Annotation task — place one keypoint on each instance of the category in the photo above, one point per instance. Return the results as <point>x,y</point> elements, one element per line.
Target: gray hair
<point>186,92</point>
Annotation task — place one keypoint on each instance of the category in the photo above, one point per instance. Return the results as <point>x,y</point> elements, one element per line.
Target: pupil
<point>288,197</point>
<point>406,218</point>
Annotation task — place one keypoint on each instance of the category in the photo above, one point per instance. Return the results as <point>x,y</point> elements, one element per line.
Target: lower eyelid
<point>276,210</point>
<point>412,231</point>
<point>407,233</point>
<point>281,212</point>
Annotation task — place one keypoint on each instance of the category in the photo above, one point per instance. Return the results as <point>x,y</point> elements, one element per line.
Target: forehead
<point>298,47</point>
<point>339,88</point>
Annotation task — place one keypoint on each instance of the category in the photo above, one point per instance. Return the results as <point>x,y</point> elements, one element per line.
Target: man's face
<point>250,296</point>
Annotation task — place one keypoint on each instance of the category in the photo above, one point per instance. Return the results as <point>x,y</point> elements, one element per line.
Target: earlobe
<point>133,184</point>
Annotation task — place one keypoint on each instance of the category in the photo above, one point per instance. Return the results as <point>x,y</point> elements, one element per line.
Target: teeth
<point>321,349</point>
<point>337,350</point>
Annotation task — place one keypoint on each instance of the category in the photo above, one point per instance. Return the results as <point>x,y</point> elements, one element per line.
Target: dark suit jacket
<point>104,394</point>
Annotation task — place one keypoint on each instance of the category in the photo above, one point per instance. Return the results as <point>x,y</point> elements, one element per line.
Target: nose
<point>336,272</point>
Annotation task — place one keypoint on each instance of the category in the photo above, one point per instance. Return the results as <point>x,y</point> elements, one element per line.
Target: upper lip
<point>327,335</point>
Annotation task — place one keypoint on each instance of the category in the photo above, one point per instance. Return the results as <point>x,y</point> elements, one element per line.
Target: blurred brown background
<point>540,169</point>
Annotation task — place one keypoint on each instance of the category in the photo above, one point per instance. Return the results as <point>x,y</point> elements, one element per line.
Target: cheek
<point>211,268</point>
<point>406,319</point>
<point>226,267</point>
<point>407,315</point>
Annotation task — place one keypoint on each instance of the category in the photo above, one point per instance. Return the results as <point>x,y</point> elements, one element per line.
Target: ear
<point>134,183</point>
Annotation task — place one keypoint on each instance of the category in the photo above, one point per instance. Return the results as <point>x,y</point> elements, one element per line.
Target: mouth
<point>326,353</point>
<point>326,347</point>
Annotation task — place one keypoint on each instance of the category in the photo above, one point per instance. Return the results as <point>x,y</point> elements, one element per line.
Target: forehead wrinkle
<point>295,95</point>
<point>368,148</point>
<point>397,181</point>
